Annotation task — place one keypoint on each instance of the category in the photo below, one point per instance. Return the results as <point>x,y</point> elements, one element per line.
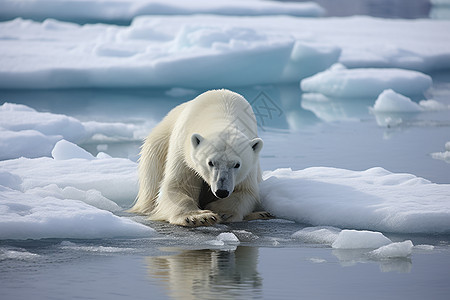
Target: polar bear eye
<point>237,166</point>
<point>210,163</point>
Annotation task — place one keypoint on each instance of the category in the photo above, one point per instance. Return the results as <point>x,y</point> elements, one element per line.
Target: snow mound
<point>126,10</point>
<point>390,101</point>
<point>354,239</point>
<point>29,133</point>
<point>393,250</point>
<point>340,82</point>
<point>374,199</point>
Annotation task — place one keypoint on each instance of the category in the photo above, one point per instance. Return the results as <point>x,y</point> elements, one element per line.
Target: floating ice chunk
<point>433,105</point>
<point>394,250</point>
<point>64,150</point>
<point>445,156</point>
<point>180,92</point>
<point>17,254</point>
<point>318,235</point>
<point>15,117</point>
<point>29,133</point>
<point>339,82</point>
<point>390,101</point>
<point>424,247</point>
<point>228,237</point>
<point>374,199</point>
<point>354,239</point>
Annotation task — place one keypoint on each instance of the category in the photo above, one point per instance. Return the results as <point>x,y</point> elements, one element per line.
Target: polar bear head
<point>224,160</point>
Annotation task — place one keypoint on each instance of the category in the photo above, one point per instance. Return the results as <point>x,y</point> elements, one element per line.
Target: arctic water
<point>270,259</point>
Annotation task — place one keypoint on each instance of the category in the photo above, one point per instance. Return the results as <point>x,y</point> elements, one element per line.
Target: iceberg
<point>108,11</point>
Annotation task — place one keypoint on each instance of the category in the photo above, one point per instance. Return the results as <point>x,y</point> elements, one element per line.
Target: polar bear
<point>200,164</point>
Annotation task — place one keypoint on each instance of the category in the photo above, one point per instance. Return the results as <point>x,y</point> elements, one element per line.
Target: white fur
<point>216,128</point>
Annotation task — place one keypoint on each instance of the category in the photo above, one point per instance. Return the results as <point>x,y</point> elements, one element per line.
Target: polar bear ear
<point>256,144</point>
<point>196,139</point>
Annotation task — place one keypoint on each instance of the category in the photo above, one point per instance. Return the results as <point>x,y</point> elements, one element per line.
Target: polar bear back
<point>214,111</point>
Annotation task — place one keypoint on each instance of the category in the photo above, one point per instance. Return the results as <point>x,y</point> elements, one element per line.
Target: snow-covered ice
<point>375,199</point>
<point>76,194</point>
<point>21,126</point>
<point>159,51</point>
<point>340,82</point>
<point>49,198</point>
<point>126,10</point>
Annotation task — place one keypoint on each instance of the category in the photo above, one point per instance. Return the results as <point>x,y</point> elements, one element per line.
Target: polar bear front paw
<point>197,218</point>
<point>259,215</point>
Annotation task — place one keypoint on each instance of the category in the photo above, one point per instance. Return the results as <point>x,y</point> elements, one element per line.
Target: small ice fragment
<point>317,260</point>
<point>424,247</point>
<point>390,101</point>
<point>228,238</point>
<point>354,239</point>
<point>402,249</point>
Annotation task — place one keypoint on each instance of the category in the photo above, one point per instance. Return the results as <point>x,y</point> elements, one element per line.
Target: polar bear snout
<point>223,182</point>
<point>222,193</point>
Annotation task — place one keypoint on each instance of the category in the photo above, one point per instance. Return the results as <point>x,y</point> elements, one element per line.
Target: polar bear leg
<point>234,207</point>
<point>151,168</point>
<point>259,215</point>
<point>178,202</point>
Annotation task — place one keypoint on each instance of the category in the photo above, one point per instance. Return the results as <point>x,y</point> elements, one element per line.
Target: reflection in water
<point>350,257</point>
<point>205,274</point>
<point>334,109</point>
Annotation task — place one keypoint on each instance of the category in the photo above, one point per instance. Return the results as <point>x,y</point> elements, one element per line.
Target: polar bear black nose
<point>222,193</point>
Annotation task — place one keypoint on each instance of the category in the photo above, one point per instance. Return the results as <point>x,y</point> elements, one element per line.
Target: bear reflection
<point>200,274</point>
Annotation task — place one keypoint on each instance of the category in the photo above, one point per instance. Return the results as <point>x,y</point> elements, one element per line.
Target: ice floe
<point>340,82</point>
<point>29,133</point>
<point>375,199</point>
<point>126,10</point>
<point>160,51</point>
